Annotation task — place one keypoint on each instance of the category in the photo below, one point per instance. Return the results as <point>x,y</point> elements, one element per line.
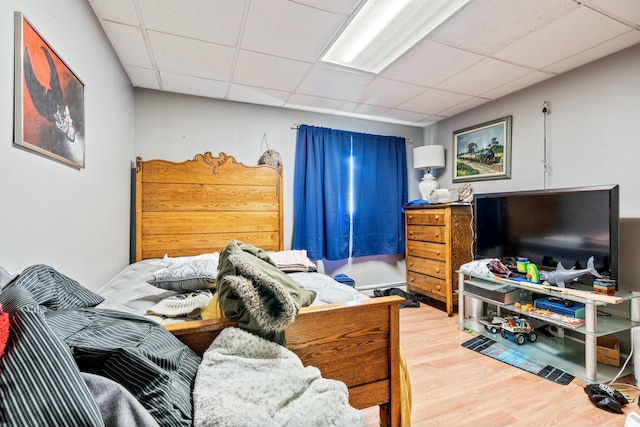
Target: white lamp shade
<point>428,156</point>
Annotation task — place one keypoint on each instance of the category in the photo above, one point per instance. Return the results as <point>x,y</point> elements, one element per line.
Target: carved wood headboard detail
<point>200,205</point>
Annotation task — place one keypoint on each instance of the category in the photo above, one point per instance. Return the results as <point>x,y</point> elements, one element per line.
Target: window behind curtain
<point>349,189</point>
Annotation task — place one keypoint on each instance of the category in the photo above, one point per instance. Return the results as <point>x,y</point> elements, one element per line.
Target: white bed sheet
<point>129,291</point>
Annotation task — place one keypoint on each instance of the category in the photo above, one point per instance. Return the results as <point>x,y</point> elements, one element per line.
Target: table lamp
<point>428,157</point>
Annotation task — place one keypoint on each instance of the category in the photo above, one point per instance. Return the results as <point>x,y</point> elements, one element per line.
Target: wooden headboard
<point>200,205</point>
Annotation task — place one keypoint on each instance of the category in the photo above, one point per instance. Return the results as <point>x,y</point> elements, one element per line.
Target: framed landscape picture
<point>49,99</point>
<point>483,151</point>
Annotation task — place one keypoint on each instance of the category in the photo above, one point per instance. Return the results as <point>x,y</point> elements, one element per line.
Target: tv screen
<point>548,227</point>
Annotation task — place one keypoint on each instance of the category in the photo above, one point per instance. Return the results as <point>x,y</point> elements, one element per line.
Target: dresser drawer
<point>427,266</point>
<point>426,284</point>
<point>428,217</point>
<point>426,233</point>
<point>426,250</point>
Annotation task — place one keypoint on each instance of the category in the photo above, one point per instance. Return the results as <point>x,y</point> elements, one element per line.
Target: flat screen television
<point>566,225</point>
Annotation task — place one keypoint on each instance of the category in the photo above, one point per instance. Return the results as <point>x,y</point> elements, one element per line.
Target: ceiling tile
<point>334,83</point>
<point>463,106</point>
<point>341,7</point>
<point>405,116</point>
<point>268,52</point>
<point>255,95</point>
<point>387,93</point>
<point>484,26</point>
<point>143,77</point>
<point>132,49</point>
<point>313,103</point>
<point>515,85</point>
<point>372,110</point>
<point>433,101</point>
<point>289,29</point>
<point>428,63</point>
<point>534,50</point>
<point>625,10</point>
<point>427,121</point>
<point>483,76</point>
<point>622,42</point>
<point>191,57</point>
<point>122,11</point>
<point>193,85</point>
<point>254,69</point>
<point>197,19</point>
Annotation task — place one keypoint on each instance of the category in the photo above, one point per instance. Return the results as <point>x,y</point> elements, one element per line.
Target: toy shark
<point>562,275</point>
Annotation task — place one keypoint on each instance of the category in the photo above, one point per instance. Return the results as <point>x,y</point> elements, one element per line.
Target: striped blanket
<point>56,333</point>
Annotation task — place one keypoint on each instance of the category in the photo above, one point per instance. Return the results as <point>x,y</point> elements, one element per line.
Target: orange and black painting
<point>52,100</point>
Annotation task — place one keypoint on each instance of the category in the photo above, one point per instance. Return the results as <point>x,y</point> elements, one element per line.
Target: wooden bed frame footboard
<point>357,343</point>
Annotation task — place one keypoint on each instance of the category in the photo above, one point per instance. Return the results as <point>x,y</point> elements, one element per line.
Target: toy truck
<point>493,324</point>
<point>518,330</point>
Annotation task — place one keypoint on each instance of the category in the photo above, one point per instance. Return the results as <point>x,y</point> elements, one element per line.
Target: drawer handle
<point>410,249</point>
<point>437,270</point>
<point>438,253</point>
<point>439,287</point>
<point>437,234</point>
<point>411,233</point>
<point>410,216</point>
<point>411,263</point>
<point>437,217</point>
<point>413,279</point>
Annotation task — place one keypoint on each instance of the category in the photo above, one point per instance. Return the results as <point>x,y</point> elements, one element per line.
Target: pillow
<point>169,261</point>
<point>5,277</point>
<point>189,276</point>
<point>40,384</point>
<point>55,290</point>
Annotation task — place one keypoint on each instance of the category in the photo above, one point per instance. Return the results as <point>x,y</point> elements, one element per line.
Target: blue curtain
<point>380,191</point>
<point>345,207</point>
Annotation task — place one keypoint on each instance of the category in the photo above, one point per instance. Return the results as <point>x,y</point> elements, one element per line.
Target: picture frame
<point>48,99</point>
<point>483,152</point>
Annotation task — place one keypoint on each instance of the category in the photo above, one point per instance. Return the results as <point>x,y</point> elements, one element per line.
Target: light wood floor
<point>454,386</point>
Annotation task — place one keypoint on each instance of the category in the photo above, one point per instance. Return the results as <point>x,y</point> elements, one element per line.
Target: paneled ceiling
<point>268,52</point>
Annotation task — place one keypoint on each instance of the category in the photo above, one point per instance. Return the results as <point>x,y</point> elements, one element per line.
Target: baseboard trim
<point>381,286</point>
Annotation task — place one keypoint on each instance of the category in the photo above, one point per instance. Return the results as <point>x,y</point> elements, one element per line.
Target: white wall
<point>77,221</point>
<point>592,139</point>
<point>176,127</point>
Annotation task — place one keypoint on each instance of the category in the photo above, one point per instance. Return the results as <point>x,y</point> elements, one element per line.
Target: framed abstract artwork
<point>483,151</point>
<point>49,99</point>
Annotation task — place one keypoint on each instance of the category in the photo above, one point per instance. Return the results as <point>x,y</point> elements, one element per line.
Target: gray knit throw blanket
<point>245,380</point>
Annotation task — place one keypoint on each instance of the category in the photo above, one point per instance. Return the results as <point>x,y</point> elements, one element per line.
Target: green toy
<point>533,275</point>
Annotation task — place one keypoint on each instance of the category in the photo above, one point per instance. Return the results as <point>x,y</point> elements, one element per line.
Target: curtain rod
<point>296,126</point>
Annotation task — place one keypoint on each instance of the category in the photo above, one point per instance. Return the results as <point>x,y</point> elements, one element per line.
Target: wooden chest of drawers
<point>439,240</point>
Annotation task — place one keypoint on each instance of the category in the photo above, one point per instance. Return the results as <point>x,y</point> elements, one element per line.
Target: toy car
<point>518,330</point>
<point>493,324</point>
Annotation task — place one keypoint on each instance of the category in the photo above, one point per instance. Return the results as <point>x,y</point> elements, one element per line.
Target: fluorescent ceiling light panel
<point>382,30</point>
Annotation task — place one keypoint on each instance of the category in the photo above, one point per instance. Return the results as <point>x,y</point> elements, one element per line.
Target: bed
<point>71,356</point>
<point>198,206</point>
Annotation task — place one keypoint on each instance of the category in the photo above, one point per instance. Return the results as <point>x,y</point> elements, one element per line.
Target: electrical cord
<point>625,385</point>
<point>624,365</point>
<point>545,112</point>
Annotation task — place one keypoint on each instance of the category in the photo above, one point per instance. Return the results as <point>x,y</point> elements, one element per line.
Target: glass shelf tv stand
<point>592,328</point>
